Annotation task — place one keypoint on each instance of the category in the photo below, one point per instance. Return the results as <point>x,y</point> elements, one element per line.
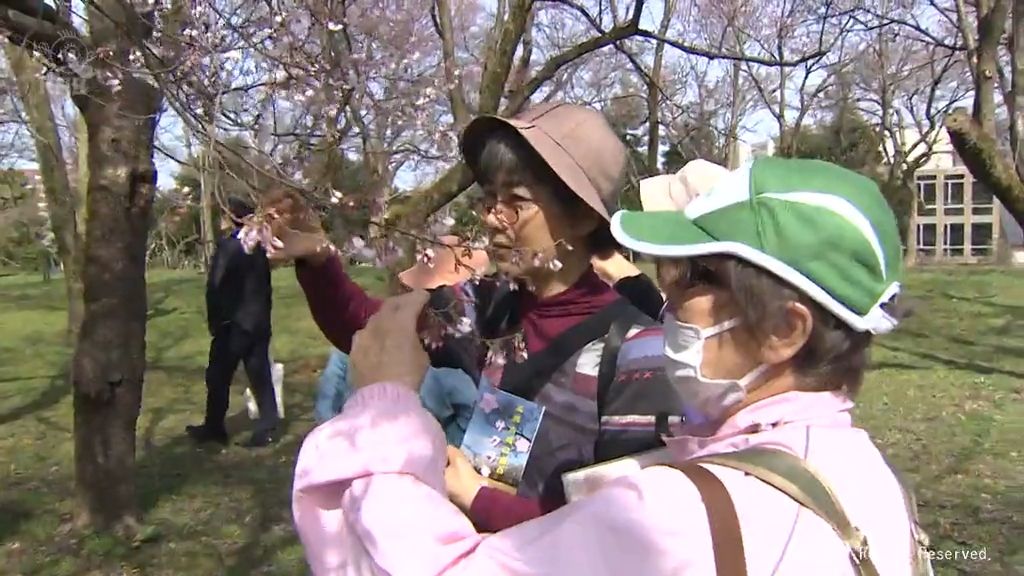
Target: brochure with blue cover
<point>500,434</point>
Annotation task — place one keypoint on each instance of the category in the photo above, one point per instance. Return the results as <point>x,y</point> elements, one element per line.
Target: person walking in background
<point>238,307</point>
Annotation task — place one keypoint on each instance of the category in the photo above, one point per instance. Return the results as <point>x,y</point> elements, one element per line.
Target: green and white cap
<point>825,230</point>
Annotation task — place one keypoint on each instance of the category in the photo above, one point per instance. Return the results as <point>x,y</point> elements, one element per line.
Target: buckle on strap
<point>858,546</point>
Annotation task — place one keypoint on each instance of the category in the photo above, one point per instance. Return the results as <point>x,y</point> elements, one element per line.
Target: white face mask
<point>704,399</point>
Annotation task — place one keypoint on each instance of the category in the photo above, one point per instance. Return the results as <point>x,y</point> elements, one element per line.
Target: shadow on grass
<point>157,308</point>
<point>261,477</point>
<point>274,509</point>
<point>989,347</point>
<point>58,389</point>
<point>27,378</point>
<point>1014,310</point>
<point>14,513</point>
<point>891,365</point>
<point>968,365</point>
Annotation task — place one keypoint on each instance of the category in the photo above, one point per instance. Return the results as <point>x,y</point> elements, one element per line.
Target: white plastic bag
<point>277,376</point>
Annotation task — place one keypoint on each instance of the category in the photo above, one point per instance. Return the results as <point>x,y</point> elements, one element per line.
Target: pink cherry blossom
<point>522,445</point>
<point>488,402</point>
<point>427,257</point>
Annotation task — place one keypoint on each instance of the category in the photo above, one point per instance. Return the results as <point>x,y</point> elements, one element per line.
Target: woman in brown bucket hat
<point>550,177</point>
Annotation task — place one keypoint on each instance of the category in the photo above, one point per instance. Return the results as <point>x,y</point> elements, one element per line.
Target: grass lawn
<point>946,400</point>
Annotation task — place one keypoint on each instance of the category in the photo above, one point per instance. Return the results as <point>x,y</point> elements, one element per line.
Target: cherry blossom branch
<point>435,324</point>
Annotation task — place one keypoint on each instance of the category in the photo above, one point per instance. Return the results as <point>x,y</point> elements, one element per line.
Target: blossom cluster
<point>434,328</point>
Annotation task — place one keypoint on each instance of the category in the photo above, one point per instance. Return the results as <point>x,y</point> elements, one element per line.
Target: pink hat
<point>672,192</point>
<point>446,271</point>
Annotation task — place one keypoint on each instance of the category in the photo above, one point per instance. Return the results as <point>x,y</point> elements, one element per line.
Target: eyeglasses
<point>506,207</point>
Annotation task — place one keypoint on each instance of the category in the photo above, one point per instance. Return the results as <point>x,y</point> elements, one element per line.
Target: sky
<point>757,128</point>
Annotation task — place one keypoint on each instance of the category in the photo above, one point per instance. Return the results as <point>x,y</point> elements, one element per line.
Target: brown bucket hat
<point>575,141</point>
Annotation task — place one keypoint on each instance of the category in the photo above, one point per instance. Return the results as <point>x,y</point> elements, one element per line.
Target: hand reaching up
<point>613,267</point>
<point>291,244</point>
<point>389,348</point>
<point>295,227</point>
<point>291,209</point>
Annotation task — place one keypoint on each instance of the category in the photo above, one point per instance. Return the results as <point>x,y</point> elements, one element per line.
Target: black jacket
<point>238,291</point>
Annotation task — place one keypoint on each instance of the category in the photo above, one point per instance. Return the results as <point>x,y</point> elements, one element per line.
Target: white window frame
<point>947,188</point>
<point>921,181</point>
<point>964,244</point>
<point>991,237</point>
<point>992,197</point>
<point>920,235</point>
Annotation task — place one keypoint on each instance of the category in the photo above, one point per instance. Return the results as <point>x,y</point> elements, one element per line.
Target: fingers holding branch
<point>389,349</point>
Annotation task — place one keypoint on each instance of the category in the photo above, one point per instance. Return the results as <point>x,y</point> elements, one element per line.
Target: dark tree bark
<point>110,359</point>
<point>974,135</point>
<point>654,92</point>
<point>110,356</point>
<point>982,156</point>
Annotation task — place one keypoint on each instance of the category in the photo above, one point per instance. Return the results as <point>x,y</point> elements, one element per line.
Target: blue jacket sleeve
<point>447,393</point>
<point>450,395</point>
<point>333,388</point>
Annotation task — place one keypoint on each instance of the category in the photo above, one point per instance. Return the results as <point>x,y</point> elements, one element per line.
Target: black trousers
<point>231,345</point>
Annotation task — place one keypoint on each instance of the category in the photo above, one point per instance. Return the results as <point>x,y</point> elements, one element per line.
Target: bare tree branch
<point>980,153</point>
<point>441,13</point>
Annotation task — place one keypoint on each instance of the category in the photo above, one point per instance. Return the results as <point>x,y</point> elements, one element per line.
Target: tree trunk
<point>654,92</point>
<point>992,16</point>
<point>1015,99</point>
<point>375,163</point>
<point>785,137</point>
<point>732,135</point>
<point>207,191</point>
<point>110,358</point>
<point>81,196</point>
<point>35,99</point>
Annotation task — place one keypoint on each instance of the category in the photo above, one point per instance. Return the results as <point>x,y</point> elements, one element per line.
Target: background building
<point>957,219</point>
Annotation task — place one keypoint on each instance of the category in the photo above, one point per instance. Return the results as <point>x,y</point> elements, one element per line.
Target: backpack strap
<point>525,379</point>
<point>610,353</point>
<point>919,541</point>
<point>726,538</point>
<point>795,478</point>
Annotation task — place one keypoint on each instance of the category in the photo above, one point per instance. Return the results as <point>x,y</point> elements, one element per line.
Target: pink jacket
<point>369,498</point>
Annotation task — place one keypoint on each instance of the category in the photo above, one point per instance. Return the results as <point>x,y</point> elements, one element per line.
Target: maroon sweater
<point>340,308</point>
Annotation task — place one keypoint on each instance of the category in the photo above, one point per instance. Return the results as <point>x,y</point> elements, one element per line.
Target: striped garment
<point>640,365</point>
<point>638,408</point>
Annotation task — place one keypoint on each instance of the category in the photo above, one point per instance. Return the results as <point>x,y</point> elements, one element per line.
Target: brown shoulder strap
<point>796,478</point>
<point>726,538</point>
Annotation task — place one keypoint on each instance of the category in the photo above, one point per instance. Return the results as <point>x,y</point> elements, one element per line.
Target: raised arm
<point>630,282</point>
<point>642,293</point>
<point>340,307</point>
